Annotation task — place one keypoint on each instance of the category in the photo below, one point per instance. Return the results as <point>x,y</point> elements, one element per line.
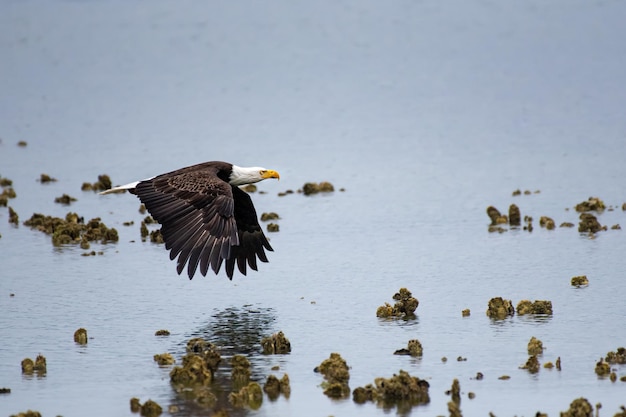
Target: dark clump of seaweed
<point>580,281</point>
<point>337,374</point>
<point>589,224</point>
<point>72,229</point>
<point>617,357</point>
<point>532,364</point>
<point>414,348</point>
<point>80,336</point>
<point>499,308</point>
<point>535,346</point>
<point>537,307</point>
<point>404,307</point>
<point>401,390</point>
<point>250,395</point>
<point>103,183</point>
<point>148,409</point>
<point>276,344</point>
<point>274,387</point>
<point>580,407</point>
<point>592,204</point>
<point>314,188</point>
<point>65,199</point>
<point>198,367</point>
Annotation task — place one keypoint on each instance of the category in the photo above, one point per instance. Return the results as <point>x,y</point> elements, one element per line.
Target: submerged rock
<point>65,199</point>
<point>405,305</point>
<point>499,308</point>
<point>602,368</point>
<point>538,307</point>
<point>44,178</point>
<point>465,313</point>
<point>162,332</point>
<point>72,229</point>
<point>547,222</point>
<point>150,409</point>
<point>276,344</point>
<point>269,216</point>
<point>273,227</point>
<point>314,188</point>
<point>164,359</point>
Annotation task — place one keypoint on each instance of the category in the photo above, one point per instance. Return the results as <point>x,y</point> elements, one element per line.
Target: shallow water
<point>425,113</point>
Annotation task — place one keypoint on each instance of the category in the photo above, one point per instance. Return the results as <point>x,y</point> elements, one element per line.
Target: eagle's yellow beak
<point>270,173</point>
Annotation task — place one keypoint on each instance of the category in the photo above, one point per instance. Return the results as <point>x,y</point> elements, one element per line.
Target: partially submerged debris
<point>414,348</point>
<point>405,305</point>
<point>44,178</point>
<point>580,407</point>
<point>617,357</point>
<point>103,183</point>
<point>162,332</point>
<point>276,344</point>
<point>401,390</point>
<point>537,307</point>
<point>65,199</point>
<point>592,204</point>
<point>589,223</point>
<point>164,359</point>
<point>314,188</point>
<point>465,313</point>
<point>38,366</point>
<point>547,222</point>
<point>337,374</point>
<point>274,387</point>
<point>269,216</point>
<point>273,227</point>
<point>535,346</point>
<point>532,364</point>
<point>499,308</point>
<point>80,336</point>
<point>72,229</point>
<point>250,395</point>
<point>580,281</point>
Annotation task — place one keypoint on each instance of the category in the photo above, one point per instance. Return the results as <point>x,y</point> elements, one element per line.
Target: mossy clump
<point>537,307</point>
<point>314,188</point>
<point>164,359</point>
<point>405,305</point>
<point>617,357</point>
<point>150,409</point>
<point>276,344</point>
<point>38,366</point>
<point>269,216</point>
<point>401,390</point>
<point>207,350</point>
<point>195,371</point>
<point>589,224</point>
<point>250,395</point>
<point>547,222</point>
<point>515,218</point>
<point>5,182</point>
<point>135,405</point>
<point>240,370</point>
<point>44,178</point>
<point>592,204</point>
<point>602,368</point>
<point>465,313</point>
<point>80,336</point>
<point>13,217</point>
<point>580,281</point>
<point>103,183</point>
<point>580,407</point>
<point>156,236</point>
<point>498,308</point>
<point>28,366</point>
<point>496,217</point>
<point>532,364</point>
<point>535,346</point>
<point>337,374</point>
<point>28,413</point>
<point>273,227</point>
<point>65,199</point>
<point>72,229</point>
<point>414,348</point>
<point>274,387</point>
<point>162,332</point>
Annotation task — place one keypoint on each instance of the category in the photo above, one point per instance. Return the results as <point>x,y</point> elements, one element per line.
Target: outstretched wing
<point>252,241</point>
<point>199,217</point>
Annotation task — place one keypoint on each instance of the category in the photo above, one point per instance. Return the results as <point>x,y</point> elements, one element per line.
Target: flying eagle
<point>205,217</point>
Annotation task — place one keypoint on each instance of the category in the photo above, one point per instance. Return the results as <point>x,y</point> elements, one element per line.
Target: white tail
<point>120,188</point>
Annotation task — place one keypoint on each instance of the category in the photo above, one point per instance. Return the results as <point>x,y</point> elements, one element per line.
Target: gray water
<point>425,112</point>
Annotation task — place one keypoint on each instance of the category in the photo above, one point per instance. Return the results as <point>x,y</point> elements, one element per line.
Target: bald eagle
<point>205,217</point>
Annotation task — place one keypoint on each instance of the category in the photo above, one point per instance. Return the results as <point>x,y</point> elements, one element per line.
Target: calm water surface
<point>426,113</point>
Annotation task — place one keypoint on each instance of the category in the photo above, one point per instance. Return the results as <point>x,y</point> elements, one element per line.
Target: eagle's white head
<point>250,175</point>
